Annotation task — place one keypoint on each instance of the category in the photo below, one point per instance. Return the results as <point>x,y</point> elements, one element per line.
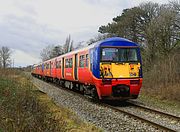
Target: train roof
<point>113,42</point>
<point>116,39</point>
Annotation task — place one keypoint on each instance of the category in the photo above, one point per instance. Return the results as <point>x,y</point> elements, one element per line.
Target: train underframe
<point>104,89</point>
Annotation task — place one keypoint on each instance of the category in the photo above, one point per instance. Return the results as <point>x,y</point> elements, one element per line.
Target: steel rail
<point>154,110</point>
<point>140,118</point>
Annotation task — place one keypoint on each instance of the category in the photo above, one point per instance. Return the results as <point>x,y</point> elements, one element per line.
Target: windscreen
<point>119,54</point>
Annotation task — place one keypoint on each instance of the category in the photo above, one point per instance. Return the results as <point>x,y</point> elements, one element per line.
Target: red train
<point>109,69</point>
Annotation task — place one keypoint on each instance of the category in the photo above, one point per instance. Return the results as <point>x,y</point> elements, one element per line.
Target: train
<point>108,69</point>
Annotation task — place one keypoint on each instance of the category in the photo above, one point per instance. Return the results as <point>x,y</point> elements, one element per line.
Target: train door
<point>76,67</point>
<point>63,67</point>
<point>50,68</point>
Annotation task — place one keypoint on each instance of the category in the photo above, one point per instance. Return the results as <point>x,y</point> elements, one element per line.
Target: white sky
<point>27,26</point>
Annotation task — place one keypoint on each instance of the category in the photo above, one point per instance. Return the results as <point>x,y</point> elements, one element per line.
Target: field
<point>24,108</point>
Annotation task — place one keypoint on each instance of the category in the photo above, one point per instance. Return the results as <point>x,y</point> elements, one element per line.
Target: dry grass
<point>163,80</point>
<point>24,108</point>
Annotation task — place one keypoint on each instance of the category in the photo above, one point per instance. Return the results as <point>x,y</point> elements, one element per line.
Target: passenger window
<point>66,63</point>
<point>81,63</point>
<point>46,66</point>
<point>59,64</point>
<point>87,60</point>
<point>70,63</point>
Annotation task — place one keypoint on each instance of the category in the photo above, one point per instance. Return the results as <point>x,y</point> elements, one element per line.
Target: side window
<point>87,60</point>
<point>81,63</point>
<point>83,59</point>
<point>47,66</point>
<point>59,64</point>
<point>66,63</point>
<point>80,57</point>
<point>51,65</point>
<point>70,63</point>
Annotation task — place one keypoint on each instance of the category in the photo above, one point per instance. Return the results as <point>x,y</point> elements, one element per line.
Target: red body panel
<point>40,72</point>
<point>53,68</point>
<point>106,89</point>
<point>58,73</point>
<point>85,76</point>
<point>68,74</point>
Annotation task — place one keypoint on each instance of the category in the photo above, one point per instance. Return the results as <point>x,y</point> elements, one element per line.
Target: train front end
<point>120,70</point>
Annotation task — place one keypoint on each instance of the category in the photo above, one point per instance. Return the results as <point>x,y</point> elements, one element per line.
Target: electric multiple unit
<point>109,69</point>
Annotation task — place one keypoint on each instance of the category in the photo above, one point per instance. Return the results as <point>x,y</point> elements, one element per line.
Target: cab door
<point>63,67</point>
<point>76,67</point>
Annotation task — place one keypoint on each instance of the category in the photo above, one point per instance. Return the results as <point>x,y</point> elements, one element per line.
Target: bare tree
<point>5,57</point>
<point>176,4</point>
<point>71,48</point>
<point>56,51</point>
<point>46,52</point>
<point>68,46</point>
<point>0,62</point>
<point>80,45</point>
<point>97,38</point>
<point>51,51</point>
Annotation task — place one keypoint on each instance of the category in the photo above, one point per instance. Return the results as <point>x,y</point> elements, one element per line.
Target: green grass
<point>24,108</point>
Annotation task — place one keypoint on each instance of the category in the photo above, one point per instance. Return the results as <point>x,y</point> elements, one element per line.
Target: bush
<point>163,78</point>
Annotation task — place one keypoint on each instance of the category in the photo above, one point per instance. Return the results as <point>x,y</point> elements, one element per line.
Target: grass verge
<point>24,108</point>
<point>158,101</point>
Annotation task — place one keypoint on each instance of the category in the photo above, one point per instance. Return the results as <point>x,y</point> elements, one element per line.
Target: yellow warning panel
<point>119,70</point>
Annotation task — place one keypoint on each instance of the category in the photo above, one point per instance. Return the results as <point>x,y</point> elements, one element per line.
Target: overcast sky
<point>27,26</point>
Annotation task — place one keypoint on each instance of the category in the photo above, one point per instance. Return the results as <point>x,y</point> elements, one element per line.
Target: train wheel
<point>135,96</point>
<point>94,93</point>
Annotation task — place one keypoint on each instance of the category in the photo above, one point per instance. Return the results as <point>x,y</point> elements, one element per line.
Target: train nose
<point>121,90</point>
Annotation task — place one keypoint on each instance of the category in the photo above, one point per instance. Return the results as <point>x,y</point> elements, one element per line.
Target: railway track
<point>145,119</point>
<point>131,106</point>
<point>154,110</point>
